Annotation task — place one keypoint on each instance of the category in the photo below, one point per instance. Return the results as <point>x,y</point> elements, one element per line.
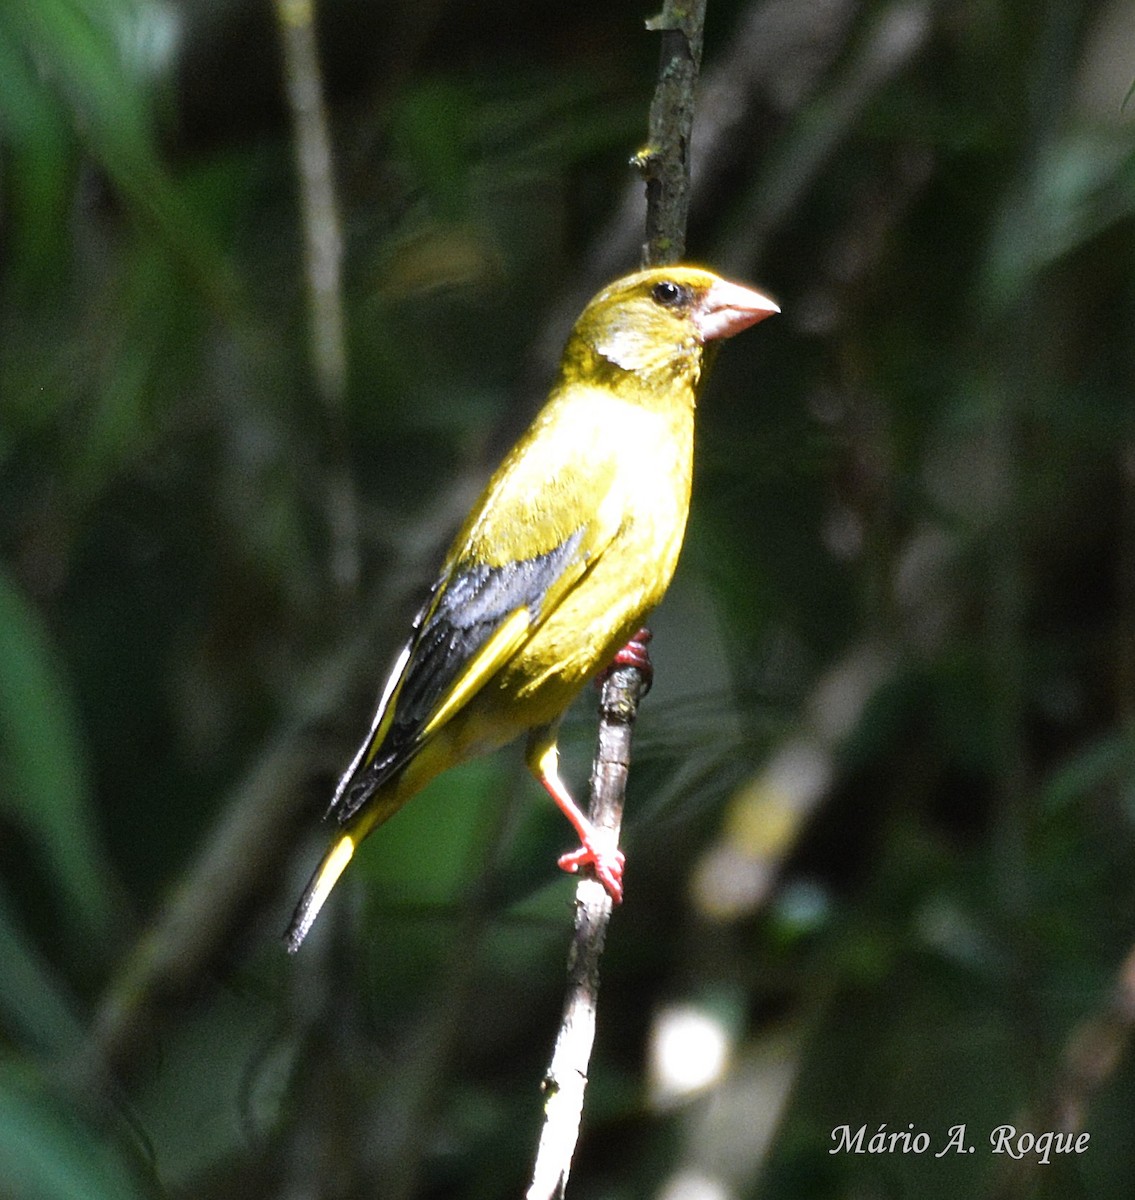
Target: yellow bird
<point>574,540</point>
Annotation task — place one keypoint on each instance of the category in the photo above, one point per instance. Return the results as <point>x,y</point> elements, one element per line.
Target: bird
<point>572,543</point>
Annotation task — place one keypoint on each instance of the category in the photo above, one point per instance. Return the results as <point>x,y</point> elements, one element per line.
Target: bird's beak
<point>727,308</point>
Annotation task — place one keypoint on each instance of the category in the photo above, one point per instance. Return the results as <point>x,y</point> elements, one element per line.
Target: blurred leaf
<point>218,1087</point>
<point>75,48</point>
<point>425,853</point>
<point>34,132</point>
<point>48,1151</point>
<point>1082,185</point>
<point>431,128</point>
<point>1106,762</point>
<point>33,1010</point>
<point>140,361</point>
<point>44,778</point>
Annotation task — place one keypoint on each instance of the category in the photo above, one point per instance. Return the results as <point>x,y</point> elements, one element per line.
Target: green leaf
<point>44,779</point>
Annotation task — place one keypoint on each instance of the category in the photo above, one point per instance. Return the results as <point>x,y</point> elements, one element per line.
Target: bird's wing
<point>546,516</point>
<point>476,618</point>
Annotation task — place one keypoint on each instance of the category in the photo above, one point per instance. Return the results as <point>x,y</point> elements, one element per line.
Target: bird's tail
<point>379,807</point>
<point>379,801</point>
<point>319,887</point>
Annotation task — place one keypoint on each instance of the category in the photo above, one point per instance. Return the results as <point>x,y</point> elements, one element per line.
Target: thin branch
<point>323,258</point>
<point>896,35</point>
<point>172,953</point>
<point>665,165</point>
<point>1092,1054</point>
<point>665,160</point>
<point>779,54</point>
<point>565,1081</point>
<point>246,849</point>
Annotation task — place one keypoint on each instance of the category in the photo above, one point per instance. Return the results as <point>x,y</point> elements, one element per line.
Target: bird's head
<point>659,322</point>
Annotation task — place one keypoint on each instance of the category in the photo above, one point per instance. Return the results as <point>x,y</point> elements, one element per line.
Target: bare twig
<point>566,1078</point>
<point>779,55</point>
<point>665,164</point>
<point>665,160</point>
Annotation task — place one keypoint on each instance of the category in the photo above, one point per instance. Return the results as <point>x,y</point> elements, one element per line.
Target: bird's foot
<point>606,865</point>
<point>636,653</point>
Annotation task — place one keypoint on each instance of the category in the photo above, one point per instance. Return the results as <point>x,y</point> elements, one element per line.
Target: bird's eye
<point>668,293</point>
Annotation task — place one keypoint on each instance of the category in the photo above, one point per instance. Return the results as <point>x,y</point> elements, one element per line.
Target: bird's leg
<point>636,653</point>
<point>604,860</point>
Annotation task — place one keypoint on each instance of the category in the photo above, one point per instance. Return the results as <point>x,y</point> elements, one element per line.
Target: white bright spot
<point>689,1051</point>
<point>150,36</point>
<point>726,883</point>
<point>692,1185</point>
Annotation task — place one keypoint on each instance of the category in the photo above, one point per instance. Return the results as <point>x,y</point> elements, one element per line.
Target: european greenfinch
<point>573,542</point>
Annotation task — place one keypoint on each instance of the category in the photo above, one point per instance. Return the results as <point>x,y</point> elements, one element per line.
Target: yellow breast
<point>640,523</point>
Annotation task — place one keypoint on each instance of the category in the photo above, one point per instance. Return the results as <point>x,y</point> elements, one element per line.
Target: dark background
<point>881,821</point>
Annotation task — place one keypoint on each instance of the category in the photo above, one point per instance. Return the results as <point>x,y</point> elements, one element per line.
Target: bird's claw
<point>636,653</point>
<point>606,866</point>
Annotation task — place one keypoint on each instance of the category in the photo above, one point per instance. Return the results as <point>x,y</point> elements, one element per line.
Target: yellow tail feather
<point>319,888</point>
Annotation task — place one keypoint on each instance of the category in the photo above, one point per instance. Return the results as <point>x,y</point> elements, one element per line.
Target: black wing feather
<point>465,609</point>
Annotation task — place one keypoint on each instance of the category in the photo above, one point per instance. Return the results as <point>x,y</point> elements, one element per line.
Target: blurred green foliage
<point>882,815</point>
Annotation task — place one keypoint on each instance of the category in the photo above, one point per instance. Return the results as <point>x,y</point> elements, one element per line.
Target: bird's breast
<point>645,510</point>
<point>620,472</point>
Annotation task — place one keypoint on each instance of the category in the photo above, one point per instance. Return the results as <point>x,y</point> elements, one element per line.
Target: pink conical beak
<point>727,308</point>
